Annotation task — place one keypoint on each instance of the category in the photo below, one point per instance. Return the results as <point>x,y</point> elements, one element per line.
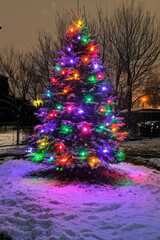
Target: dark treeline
<point>129,44</point>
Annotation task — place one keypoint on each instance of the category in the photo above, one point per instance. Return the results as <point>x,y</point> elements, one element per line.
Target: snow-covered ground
<point>41,209</point>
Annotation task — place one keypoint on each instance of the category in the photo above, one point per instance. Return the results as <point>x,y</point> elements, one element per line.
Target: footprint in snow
<point>111,207</point>
<point>70,217</point>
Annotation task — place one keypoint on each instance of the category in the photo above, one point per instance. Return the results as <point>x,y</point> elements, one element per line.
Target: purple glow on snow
<point>87,202</point>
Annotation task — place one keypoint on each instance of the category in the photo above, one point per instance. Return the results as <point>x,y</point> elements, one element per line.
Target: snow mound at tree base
<point>84,174</point>
<point>38,208</point>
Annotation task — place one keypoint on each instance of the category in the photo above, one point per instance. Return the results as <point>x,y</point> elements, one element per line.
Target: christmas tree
<point>79,126</point>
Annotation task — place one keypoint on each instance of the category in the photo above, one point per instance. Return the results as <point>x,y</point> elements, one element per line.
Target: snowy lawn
<point>41,209</point>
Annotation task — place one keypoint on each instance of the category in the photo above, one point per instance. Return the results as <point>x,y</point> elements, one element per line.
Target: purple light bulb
<point>104,88</point>
<point>69,49</point>
<point>30,149</point>
<point>80,111</point>
<point>96,66</point>
<point>105,150</point>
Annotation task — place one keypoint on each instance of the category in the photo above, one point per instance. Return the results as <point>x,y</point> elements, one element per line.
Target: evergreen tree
<point>78,121</point>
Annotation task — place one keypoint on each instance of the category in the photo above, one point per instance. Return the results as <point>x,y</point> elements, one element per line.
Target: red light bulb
<point>53,80</point>
<point>70,108</point>
<point>100,76</point>
<point>71,30</point>
<point>86,130</point>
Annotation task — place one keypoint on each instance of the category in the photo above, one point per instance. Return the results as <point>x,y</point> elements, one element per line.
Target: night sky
<point>21,19</point>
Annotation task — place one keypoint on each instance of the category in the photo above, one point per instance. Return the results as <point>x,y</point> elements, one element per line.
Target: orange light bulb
<point>85,59</point>
<point>92,49</point>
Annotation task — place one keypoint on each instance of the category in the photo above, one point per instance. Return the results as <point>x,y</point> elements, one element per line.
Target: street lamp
<point>144,99</point>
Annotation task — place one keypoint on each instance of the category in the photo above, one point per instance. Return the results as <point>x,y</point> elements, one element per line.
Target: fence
<point>13,135</point>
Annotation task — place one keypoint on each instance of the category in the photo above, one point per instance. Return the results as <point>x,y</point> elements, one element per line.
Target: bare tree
<point>16,67</point>
<point>152,90</point>
<point>9,67</point>
<point>43,56</point>
<point>135,36</point>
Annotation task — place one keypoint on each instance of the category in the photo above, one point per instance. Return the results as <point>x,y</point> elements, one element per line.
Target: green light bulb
<point>88,98</point>
<point>109,111</point>
<point>92,79</point>
<point>65,129</point>
<point>101,128</point>
<point>59,107</point>
<point>49,94</point>
<point>58,68</point>
<point>82,154</point>
<point>85,39</point>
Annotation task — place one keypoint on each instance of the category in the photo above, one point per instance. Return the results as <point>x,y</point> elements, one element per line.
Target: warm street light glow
<point>144,99</point>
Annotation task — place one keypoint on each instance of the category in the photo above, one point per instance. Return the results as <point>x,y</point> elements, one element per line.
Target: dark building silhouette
<point>4,87</point>
<point>14,109</point>
<point>5,108</point>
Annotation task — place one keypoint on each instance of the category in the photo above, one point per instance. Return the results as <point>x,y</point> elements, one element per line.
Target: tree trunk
<point>129,100</point>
